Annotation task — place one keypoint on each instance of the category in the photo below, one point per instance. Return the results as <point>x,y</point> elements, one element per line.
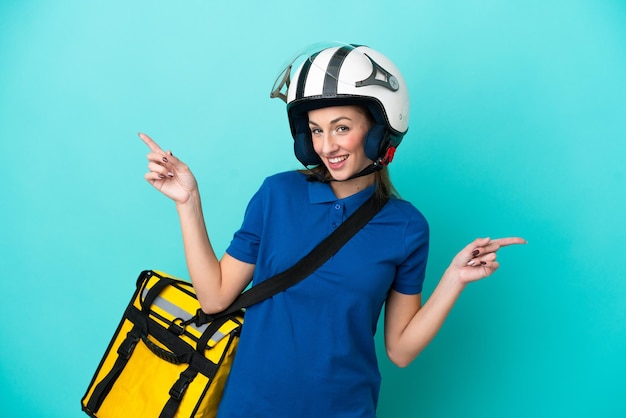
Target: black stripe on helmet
<point>332,72</point>
<point>304,73</point>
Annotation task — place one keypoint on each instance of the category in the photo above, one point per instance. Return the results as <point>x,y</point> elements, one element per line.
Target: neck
<point>343,189</point>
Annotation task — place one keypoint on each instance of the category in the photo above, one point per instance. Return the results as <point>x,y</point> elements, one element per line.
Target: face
<point>338,135</point>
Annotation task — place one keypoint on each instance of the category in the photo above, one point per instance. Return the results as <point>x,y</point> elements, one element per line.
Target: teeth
<point>336,160</point>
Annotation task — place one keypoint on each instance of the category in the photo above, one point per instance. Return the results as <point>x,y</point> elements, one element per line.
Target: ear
<point>375,138</point>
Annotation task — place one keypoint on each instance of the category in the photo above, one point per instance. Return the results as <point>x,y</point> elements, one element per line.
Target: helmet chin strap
<point>372,168</point>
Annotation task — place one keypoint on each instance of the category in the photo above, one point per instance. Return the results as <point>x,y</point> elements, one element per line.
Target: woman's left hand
<point>478,259</point>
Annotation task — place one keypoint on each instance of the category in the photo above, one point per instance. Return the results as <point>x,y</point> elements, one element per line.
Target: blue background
<point>518,127</point>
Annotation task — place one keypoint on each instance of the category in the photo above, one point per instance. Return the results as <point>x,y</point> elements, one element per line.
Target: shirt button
<point>334,224</point>
<point>337,206</point>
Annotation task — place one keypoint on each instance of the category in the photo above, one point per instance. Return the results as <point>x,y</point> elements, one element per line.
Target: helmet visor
<point>283,81</point>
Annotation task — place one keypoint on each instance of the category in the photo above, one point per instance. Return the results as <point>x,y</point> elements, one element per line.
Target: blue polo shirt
<point>309,351</point>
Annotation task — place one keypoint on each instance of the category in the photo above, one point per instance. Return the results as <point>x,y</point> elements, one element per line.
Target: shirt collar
<point>322,193</point>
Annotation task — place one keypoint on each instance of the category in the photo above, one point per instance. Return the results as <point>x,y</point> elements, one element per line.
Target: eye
<point>342,129</point>
<point>315,131</point>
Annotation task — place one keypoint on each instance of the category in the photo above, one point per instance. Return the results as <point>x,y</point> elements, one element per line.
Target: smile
<point>336,160</point>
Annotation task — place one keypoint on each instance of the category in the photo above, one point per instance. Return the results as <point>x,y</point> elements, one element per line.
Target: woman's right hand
<point>168,174</point>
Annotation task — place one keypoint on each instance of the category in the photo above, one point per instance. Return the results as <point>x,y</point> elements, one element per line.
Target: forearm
<point>427,321</point>
<point>202,263</point>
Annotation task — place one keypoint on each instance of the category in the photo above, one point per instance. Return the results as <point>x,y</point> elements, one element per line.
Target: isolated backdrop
<point>518,127</point>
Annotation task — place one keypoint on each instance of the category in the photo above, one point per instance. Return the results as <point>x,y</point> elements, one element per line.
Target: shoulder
<point>280,188</point>
<point>410,227</point>
<point>285,179</point>
<point>405,212</point>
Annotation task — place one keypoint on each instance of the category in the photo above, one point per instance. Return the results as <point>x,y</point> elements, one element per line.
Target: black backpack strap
<point>307,265</point>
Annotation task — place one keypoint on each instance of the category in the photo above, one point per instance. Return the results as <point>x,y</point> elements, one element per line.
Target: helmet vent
<point>379,77</point>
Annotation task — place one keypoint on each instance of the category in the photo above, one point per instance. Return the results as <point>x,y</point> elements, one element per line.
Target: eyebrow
<point>332,121</point>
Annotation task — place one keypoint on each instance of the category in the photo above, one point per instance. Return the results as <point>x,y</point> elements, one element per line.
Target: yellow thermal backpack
<point>162,361</point>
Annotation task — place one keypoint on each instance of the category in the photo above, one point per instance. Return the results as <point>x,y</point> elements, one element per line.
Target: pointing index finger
<point>154,147</point>
<point>503,242</point>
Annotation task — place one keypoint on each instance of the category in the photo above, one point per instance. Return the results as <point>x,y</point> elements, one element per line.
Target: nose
<point>329,145</point>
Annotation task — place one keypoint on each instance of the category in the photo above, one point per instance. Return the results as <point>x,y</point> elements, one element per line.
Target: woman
<point>309,351</point>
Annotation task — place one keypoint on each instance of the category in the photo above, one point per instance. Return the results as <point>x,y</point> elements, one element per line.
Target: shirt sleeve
<point>245,243</point>
<point>411,272</point>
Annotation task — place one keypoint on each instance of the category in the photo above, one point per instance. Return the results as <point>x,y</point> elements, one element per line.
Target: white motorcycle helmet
<point>337,74</point>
